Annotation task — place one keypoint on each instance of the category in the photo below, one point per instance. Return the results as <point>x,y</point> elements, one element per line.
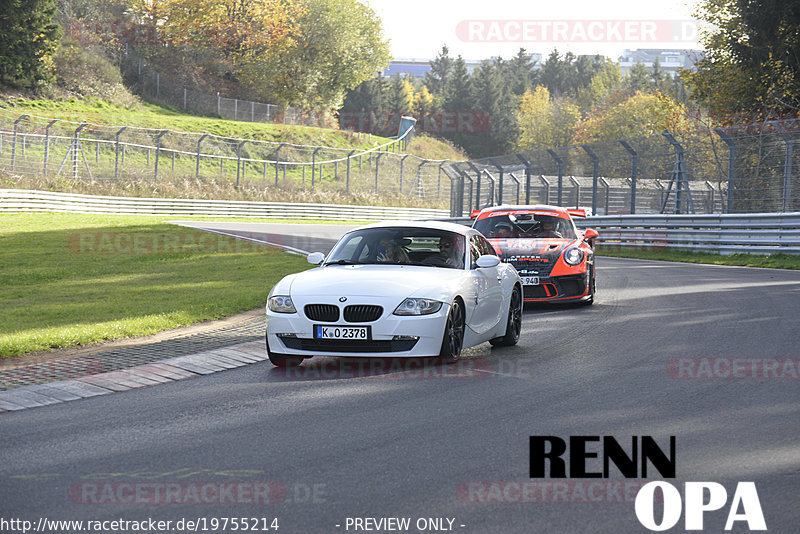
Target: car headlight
<point>573,256</point>
<point>412,306</point>
<point>281,304</point>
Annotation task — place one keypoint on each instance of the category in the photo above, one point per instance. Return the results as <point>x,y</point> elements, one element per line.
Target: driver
<point>550,229</point>
<point>502,230</point>
<point>450,251</point>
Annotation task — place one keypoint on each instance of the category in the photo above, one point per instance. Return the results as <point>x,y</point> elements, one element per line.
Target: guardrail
<point>22,200</point>
<point>755,233</point>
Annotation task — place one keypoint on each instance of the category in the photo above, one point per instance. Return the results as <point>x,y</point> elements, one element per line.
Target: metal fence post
<point>678,177</point>
<point>277,162</point>
<point>47,144</point>
<point>184,98</point>
<point>219,105</point>
<point>634,172</point>
<point>14,141</point>
<point>314,165</point>
<point>546,183</point>
<point>239,167</point>
<point>595,176</point>
<point>347,183</point>
<point>197,161</point>
<point>465,174</point>
<point>560,164</point>
<point>477,186</point>
<point>528,180</point>
<point>116,152</point>
<point>731,167</point>
<point>439,180</point>
<point>500,180</point>
<point>787,170</point>
<point>158,152</point>
<point>577,185</point>
<point>377,163</point>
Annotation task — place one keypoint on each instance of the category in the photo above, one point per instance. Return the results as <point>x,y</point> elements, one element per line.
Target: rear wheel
<point>453,338</point>
<point>282,360</point>
<point>514,323</point>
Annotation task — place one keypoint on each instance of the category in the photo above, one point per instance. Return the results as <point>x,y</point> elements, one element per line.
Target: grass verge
<point>774,261</point>
<point>69,280</point>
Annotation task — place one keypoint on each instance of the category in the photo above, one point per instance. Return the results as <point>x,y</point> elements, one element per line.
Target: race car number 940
<point>341,332</point>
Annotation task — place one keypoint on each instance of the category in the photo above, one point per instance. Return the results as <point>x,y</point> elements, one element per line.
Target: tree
<point>28,41</point>
<point>638,79</point>
<point>401,99</point>
<point>545,122</point>
<point>520,73</point>
<point>441,68</point>
<point>640,115</point>
<point>604,85</point>
<point>457,90</point>
<point>752,58</point>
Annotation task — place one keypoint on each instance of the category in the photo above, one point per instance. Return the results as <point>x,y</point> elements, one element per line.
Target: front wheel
<point>514,323</point>
<point>592,288</point>
<point>453,338</point>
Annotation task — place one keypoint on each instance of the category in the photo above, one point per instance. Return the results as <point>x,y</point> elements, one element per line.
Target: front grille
<point>536,292</point>
<point>327,313</point>
<point>349,345</point>
<point>362,313</point>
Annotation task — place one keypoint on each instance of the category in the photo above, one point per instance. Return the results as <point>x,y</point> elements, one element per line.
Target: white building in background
<point>417,68</point>
<point>670,61</point>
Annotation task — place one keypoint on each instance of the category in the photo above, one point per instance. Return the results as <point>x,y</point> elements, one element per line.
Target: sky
<point>483,29</point>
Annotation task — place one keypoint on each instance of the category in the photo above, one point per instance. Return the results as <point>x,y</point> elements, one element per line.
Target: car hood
<point>537,256</point>
<point>374,280</point>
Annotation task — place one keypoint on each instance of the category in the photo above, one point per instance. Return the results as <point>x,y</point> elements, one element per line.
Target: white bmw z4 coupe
<point>396,289</point>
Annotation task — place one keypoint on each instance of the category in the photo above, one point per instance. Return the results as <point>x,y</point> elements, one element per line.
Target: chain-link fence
<point>668,173</point>
<point>164,90</point>
<point>36,146</point>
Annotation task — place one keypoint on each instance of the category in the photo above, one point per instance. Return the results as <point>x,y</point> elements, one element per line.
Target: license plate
<point>341,332</point>
<point>530,280</point>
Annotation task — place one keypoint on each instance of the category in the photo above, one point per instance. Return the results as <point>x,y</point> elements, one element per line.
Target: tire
<point>282,360</point>
<point>453,337</point>
<point>514,323</point>
<point>592,288</point>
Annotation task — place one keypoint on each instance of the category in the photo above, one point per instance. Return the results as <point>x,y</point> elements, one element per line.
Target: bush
<point>85,71</point>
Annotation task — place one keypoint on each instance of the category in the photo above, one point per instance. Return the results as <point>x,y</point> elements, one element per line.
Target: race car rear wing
<point>574,212</point>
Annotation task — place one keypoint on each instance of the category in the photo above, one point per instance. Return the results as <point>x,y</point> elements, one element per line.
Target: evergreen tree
<point>401,99</point>
<point>520,74</point>
<point>441,69</point>
<point>28,41</point>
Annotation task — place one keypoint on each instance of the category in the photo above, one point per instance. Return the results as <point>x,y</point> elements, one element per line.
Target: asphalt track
<point>341,440</point>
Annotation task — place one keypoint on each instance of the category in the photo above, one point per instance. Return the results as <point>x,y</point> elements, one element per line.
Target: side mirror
<point>316,258</point>
<point>487,261</point>
<point>590,235</point>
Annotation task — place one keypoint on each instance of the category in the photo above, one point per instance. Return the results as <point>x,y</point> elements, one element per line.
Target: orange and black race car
<point>555,260</point>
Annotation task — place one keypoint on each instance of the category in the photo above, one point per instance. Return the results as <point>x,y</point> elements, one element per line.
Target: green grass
<point>774,261</point>
<point>147,115</point>
<point>69,280</point>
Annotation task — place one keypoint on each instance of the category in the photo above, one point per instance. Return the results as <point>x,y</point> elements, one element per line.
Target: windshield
<point>400,246</point>
<point>526,225</point>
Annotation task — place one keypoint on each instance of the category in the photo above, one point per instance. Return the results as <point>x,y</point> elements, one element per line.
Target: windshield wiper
<point>342,262</point>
